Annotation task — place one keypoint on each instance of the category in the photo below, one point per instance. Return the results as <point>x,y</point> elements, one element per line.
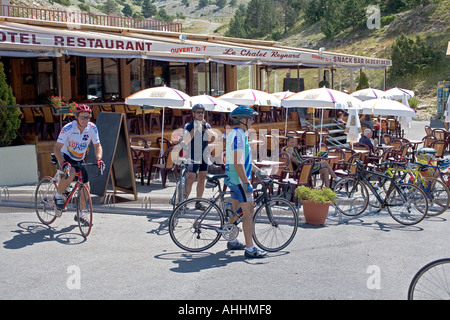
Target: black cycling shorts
<point>77,169</point>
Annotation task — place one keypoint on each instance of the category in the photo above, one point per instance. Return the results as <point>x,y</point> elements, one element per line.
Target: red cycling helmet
<point>82,108</point>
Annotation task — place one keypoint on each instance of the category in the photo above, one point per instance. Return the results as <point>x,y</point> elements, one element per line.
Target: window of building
<point>46,84</point>
<point>102,76</point>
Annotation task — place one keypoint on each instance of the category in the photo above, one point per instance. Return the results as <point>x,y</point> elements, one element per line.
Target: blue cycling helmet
<point>242,112</point>
<point>198,106</point>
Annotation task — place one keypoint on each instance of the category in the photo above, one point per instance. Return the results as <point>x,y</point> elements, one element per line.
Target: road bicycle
<point>195,230</point>
<point>437,193</point>
<point>431,282</point>
<point>406,203</point>
<point>44,198</point>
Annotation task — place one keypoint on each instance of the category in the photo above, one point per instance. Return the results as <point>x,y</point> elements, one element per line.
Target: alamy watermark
<point>374,280</point>
<point>74,279</point>
<point>373,17</point>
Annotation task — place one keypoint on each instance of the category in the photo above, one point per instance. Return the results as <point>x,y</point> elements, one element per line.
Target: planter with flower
<point>316,203</point>
<point>61,107</point>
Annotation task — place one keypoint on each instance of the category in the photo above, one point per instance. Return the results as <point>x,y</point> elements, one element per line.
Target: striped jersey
<point>237,141</point>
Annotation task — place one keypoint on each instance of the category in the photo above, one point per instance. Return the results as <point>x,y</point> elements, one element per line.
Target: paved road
<point>131,256</point>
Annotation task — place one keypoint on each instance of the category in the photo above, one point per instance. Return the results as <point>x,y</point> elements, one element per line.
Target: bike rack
<point>4,192</point>
<point>110,200</point>
<point>146,204</point>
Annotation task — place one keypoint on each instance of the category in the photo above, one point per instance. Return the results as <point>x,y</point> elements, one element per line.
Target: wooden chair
<point>301,177</point>
<point>386,138</point>
<point>393,127</point>
<point>265,114</point>
<point>439,133</point>
<point>351,169</point>
<point>440,146</point>
<point>165,143</point>
<point>309,142</point>
<point>30,121</point>
<point>428,130</point>
<point>164,164</point>
<point>51,124</point>
<point>179,117</point>
<point>427,140</point>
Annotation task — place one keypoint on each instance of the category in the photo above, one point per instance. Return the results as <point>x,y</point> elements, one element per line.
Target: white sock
<point>250,249</point>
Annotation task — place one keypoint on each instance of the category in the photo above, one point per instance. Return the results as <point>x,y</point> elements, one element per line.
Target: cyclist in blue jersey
<point>239,168</point>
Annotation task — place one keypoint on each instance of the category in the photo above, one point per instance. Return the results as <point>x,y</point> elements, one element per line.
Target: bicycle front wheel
<point>275,224</point>
<point>180,191</point>
<point>432,282</point>
<point>195,224</point>
<point>352,197</point>
<point>84,210</point>
<point>408,204</point>
<point>43,200</point>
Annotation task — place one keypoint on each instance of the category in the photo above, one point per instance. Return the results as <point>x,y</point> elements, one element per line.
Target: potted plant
<point>316,203</point>
<point>61,107</point>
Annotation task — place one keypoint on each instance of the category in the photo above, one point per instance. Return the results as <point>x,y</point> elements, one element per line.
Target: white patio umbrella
<point>387,107</point>
<point>160,97</point>
<point>251,97</point>
<point>398,93</point>
<point>322,98</point>
<point>283,95</point>
<point>213,104</point>
<point>368,94</point>
<point>353,126</point>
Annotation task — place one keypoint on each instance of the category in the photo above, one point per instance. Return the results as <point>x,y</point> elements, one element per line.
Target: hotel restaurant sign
<point>30,38</point>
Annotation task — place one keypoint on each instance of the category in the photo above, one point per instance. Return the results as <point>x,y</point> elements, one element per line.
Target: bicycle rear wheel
<point>276,224</point>
<point>352,197</point>
<point>438,196</point>
<point>43,200</point>
<point>84,210</point>
<point>432,282</point>
<point>408,204</point>
<point>194,229</point>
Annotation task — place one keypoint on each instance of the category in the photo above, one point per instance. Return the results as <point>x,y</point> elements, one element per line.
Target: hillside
<point>431,22</point>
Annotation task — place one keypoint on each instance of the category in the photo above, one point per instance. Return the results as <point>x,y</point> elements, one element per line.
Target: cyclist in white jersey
<point>71,146</point>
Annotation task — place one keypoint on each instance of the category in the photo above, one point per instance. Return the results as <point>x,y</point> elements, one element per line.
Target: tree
<point>127,11</point>
<point>236,27</point>
<point>148,9</point>
<point>202,4</point>
<point>409,56</point>
<point>9,117</point>
<point>221,3</point>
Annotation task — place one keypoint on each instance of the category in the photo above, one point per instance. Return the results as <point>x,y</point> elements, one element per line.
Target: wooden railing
<point>73,18</point>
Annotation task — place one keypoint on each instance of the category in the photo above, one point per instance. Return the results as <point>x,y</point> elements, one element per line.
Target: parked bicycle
<point>437,193</point>
<point>406,203</point>
<point>44,199</point>
<point>195,230</point>
<point>432,282</point>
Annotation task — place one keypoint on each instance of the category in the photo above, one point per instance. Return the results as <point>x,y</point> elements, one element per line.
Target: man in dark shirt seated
<point>367,138</point>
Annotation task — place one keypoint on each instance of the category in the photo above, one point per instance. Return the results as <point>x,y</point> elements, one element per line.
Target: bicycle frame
<point>362,177</point>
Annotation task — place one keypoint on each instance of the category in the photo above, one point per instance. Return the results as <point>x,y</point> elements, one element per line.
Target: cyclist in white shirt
<point>71,146</point>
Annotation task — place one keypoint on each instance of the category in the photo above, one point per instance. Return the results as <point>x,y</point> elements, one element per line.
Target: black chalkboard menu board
<point>113,132</point>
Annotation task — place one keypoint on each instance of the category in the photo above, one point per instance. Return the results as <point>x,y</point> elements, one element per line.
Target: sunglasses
<point>84,117</point>
<point>199,112</point>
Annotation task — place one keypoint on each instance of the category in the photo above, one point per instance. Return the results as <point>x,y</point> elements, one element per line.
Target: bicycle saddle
<point>216,176</point>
